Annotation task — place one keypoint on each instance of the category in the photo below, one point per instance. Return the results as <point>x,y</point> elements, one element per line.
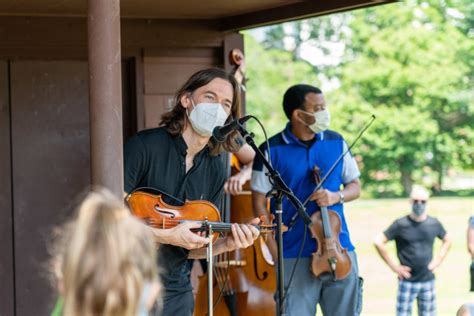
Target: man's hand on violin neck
<point>243,235</point>
<point>325,197</point>
<point>182,236</point>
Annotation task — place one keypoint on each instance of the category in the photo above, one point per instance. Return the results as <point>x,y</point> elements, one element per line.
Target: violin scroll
<point>236,58</point>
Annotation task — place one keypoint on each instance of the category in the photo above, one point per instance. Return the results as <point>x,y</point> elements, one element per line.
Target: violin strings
<point>215,224</point>
<point>179,221</point>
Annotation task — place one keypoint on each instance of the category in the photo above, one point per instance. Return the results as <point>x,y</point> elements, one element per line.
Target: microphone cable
<point>300,253</point>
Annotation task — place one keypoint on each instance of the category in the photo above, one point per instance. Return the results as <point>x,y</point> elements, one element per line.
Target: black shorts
<point>175,304</point>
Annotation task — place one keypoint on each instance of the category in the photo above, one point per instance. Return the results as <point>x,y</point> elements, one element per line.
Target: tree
<point>412,65</point>
<point>325,34</point>
<point>270,72</point>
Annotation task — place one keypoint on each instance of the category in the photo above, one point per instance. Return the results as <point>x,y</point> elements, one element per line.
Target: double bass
<point>245,279</point>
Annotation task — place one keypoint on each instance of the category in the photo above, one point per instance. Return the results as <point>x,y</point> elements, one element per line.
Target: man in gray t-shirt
<point>414,236</point>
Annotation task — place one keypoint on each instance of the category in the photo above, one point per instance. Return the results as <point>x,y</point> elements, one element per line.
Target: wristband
<point>341,197</point>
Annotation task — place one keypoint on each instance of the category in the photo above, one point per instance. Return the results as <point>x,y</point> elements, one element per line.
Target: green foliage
<point>414,71</point>
<point>411,64</point>
<point>270,73</point>
<point>320,33</point>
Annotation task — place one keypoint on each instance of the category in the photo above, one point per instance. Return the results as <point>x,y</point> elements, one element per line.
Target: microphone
<point>220,132</point>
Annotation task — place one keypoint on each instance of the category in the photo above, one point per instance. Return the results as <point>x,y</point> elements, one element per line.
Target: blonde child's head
<point>105,259</point>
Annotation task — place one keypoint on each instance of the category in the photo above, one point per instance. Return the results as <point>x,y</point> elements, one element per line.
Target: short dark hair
<point>294,97</point>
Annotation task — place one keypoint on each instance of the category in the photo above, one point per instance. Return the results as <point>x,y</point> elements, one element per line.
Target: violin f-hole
<point>165,211</point>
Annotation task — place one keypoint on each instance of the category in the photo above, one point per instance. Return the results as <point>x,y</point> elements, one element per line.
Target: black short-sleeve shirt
<point>155,158</point>
<point>414,241</point>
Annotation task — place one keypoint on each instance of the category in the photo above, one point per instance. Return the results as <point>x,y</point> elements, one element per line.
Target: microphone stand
<point>279,190</point>
<point>210,273</point>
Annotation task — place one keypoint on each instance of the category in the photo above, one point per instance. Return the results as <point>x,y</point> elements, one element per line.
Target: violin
<point>157,214</point>
<point>330,258</point>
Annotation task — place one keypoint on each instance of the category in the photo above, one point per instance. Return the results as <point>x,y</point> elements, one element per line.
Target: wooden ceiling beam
<point>298,11</point>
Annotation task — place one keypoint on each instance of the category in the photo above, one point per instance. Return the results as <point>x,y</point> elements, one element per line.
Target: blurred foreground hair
<point>103,259</point>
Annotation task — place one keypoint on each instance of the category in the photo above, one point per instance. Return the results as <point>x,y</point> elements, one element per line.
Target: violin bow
<point>340,158</point>
<point>295,216</point>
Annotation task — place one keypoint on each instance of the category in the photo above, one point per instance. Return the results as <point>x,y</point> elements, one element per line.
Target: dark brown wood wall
<point>50,166</point>
<point>6,207</point>
<point>165,71</point>
<point>59,38</point>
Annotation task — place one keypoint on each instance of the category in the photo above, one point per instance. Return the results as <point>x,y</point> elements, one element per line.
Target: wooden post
<point>105,94</point>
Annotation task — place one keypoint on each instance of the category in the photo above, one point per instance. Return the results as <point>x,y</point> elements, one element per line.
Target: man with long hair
<point>181,160</point>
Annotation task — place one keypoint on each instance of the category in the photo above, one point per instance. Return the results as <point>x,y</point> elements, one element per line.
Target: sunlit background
<point>411,65</point>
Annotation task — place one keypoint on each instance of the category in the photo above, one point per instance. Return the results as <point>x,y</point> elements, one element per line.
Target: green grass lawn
<point>366,218</point>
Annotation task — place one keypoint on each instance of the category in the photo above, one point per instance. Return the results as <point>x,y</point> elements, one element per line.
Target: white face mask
<point>207,116</point>
<point>321,120</point>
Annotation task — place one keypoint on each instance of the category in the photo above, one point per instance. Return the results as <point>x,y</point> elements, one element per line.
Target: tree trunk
<point>440,177</point>
<point>407,181</point>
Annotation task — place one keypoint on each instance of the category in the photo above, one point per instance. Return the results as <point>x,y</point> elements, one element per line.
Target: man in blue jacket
<point>304,144</point>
